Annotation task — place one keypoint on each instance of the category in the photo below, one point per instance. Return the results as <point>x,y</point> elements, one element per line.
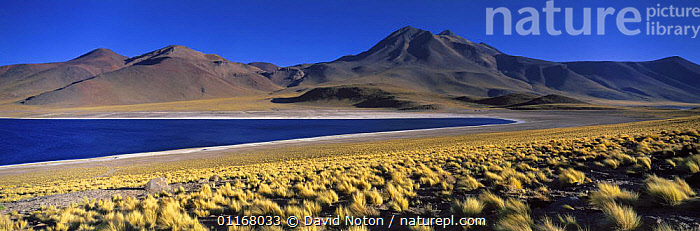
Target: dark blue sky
<point>291,32</point>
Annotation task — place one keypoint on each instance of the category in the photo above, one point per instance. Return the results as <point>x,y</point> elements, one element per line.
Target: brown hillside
<point>24,80</point>
<point>174,73</point>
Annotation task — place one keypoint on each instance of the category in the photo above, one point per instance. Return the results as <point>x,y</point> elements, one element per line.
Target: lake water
<point>36,140</point>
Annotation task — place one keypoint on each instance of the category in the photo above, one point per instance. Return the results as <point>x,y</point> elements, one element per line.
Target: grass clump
<point>375,198</point>
<point>612,163</point>
<point>468,183</point>
<point>264,207</point>
<point>612,193</point>
<point>668,192</point>
<point>469,206</point>
<point>548,225</point>
<point>644,162</point>
<point>666,227</point>
<point>492,200</point>
<point>515,216</point>
<point>172,217</point>
<point>515,222</point>
<point>570,222</point>
<point>570,176</point>
<point>6,223</point>
<point>515,207</point>
<point>358,207</point>
<point>399,203</point>
<point>623,217</point>
<point>327,197</point>
<point>691,164</point>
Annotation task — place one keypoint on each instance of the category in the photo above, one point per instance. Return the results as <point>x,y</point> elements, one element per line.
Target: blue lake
<point>36,140</point>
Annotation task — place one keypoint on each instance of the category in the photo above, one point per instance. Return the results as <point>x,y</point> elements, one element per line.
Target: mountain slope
<point>504,100</point>
<point>550,99</point>
<point>173,73</point>
<point>671,78</point>
<point>23,80</point>
<point>446,63</point>
<point>418,60</point>
<point>358,96</point>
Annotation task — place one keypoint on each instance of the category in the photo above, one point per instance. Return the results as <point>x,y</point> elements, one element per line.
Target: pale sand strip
<point>288,114</point>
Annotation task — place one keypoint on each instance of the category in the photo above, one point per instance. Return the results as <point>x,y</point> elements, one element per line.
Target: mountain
<point>173,73</point>
<point>414,59</point>
<point>671,79</point>
<point>446,63</point>
<point>22,80</point>
<point>410,68</point>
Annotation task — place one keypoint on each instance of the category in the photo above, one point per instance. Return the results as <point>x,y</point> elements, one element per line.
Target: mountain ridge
<point>408,58</point>
<point>172,73</point>
<point>449,64</point>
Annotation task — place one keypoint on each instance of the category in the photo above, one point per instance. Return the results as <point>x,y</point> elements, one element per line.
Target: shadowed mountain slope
<point>358,96</point>
<point>666,79</point>
<point>672,78</point>
<point>550,99</point>
<point>504,100</point>
<point>521,99</point>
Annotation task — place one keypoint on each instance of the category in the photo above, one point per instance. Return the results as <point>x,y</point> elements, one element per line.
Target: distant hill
<point>637,81</point>
<point>173,73</point>
<point>22,80</point>
<point>409,59</point>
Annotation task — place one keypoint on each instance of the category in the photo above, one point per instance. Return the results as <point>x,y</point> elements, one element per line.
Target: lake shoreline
<point>524,121</point>
<point>233,146</point>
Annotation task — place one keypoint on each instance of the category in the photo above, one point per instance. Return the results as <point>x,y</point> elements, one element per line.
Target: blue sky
<point>291,32</point>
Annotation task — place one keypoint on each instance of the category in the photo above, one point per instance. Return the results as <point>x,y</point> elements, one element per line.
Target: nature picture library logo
<point>659,19</point>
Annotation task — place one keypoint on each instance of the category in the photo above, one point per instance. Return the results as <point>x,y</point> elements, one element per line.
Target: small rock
<point>156,185</point>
